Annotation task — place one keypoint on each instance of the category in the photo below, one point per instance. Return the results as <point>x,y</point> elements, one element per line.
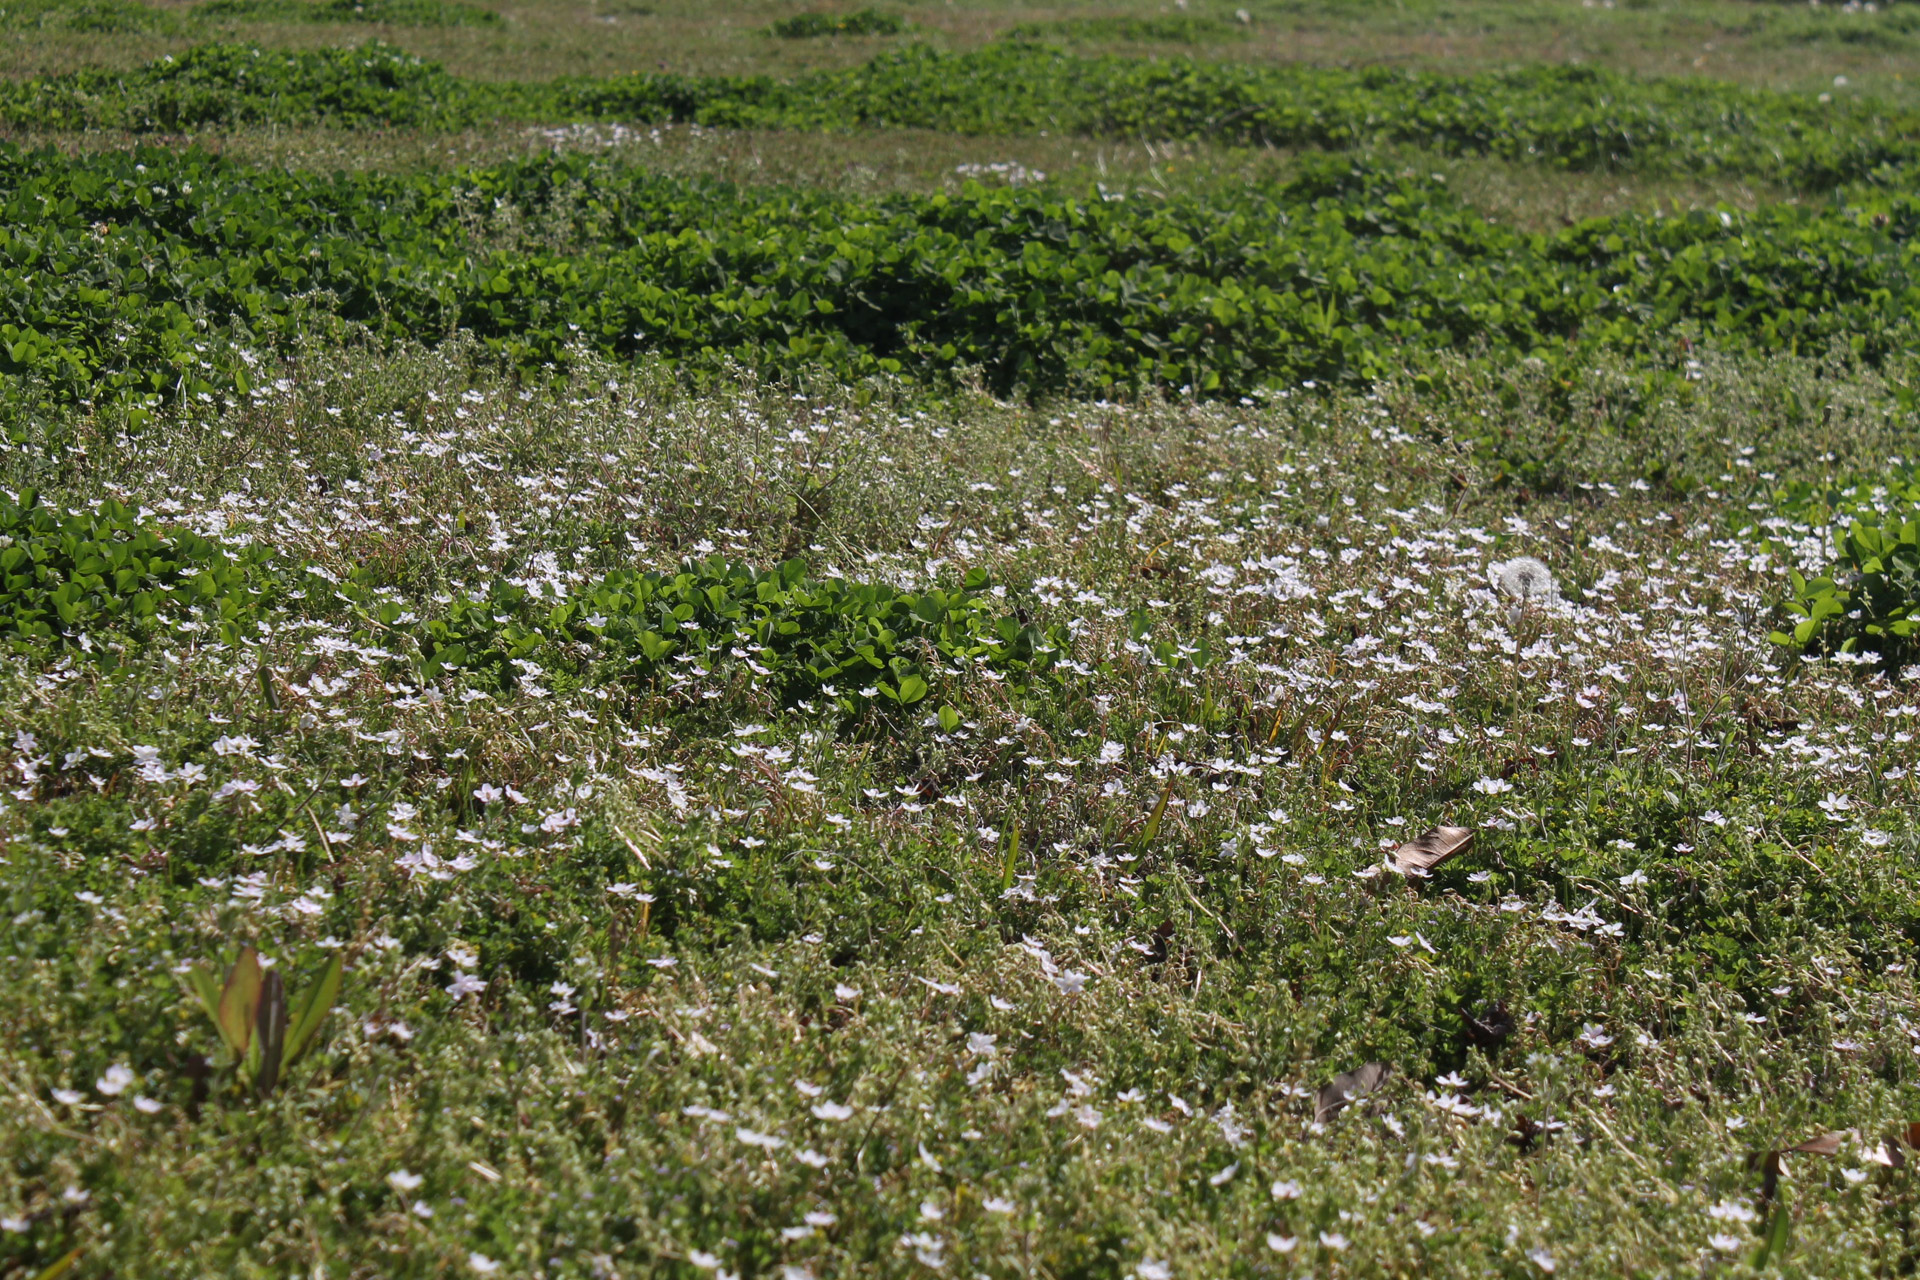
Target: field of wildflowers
<point>601,814</point>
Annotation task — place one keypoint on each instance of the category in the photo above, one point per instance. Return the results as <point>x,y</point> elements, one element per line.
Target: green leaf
<point>270,1031</point>
<point>313,1008</point>
<point>239,1002</point>
<point>1774,1247</point>
<point>1151,832</point>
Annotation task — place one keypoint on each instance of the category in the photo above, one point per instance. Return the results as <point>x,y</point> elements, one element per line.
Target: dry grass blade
<point>1423,853</point>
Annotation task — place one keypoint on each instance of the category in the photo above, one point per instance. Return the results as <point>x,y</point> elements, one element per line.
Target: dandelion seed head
<point>1525,579</point>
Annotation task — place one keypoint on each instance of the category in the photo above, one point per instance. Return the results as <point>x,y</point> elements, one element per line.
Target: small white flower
<point>482,1264</point>
<point>1282,1244</point>
<point>115,1081</point>
<point>403,1181</point>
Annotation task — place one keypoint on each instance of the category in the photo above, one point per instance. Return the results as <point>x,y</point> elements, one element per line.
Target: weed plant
<point>1341,274</point>
<point>673,975</point>
<point>1567,117</point>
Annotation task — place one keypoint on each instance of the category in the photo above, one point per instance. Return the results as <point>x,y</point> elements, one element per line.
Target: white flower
<point>464,984</point>
<point>1334,1240</point>
<point>1280,1243</point>
<point>1542,1259</point>
<point>1149,1269</point>
<point>832,1110</point>
<point>401,1180</point>
<point>481,1263</point>
<point>117,1078</point>
<point>1721,1240</point>
<point>68,1097</point>
<point>147,1106</point>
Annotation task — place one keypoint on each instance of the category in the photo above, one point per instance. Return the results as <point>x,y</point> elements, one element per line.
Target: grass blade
<point>62,1265</point>
<point>1774,1247</point>
<point>1151,831</point>
<point>200,984</point>
<point>313,1009</point>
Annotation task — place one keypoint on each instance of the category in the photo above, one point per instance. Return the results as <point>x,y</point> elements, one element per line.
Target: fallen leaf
<point>1423,853</point>
<point>1827,1144</point>
<point>1347,1087</point>
<point>1887,1153</point>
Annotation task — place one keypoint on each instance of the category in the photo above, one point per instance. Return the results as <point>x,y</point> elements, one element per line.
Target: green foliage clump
<point>863,22</point>
<point>1868,600</point>
<point>802,637</point>
<point>1166,28</point>
<point>227,85</point>
<point>129,275</point>
<point>98,17</point>
<point>99,581</point>
<point>399,13</point>
<point>1576,118</point>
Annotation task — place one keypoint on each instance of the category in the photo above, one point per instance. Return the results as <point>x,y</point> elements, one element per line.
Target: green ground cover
<point>1574,118</point>
<point>673,701</point>
<point>177,272</point>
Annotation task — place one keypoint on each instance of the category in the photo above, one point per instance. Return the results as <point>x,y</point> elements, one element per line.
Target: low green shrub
<point>863,22</point>
<point>398,13</point>
<point>1868,598</point>
<point>101,17</point>
<point>103,581</point>
<point>855,644</point>
<point>1171,28</point>
<point>128,277</point>
<point>1565,117</point>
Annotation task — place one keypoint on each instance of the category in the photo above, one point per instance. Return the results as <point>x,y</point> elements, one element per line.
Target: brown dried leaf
<point>1827,1144</point>
<point>1886,1153</point>
<point>1423,853</point>
<point>1347,1087</point>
